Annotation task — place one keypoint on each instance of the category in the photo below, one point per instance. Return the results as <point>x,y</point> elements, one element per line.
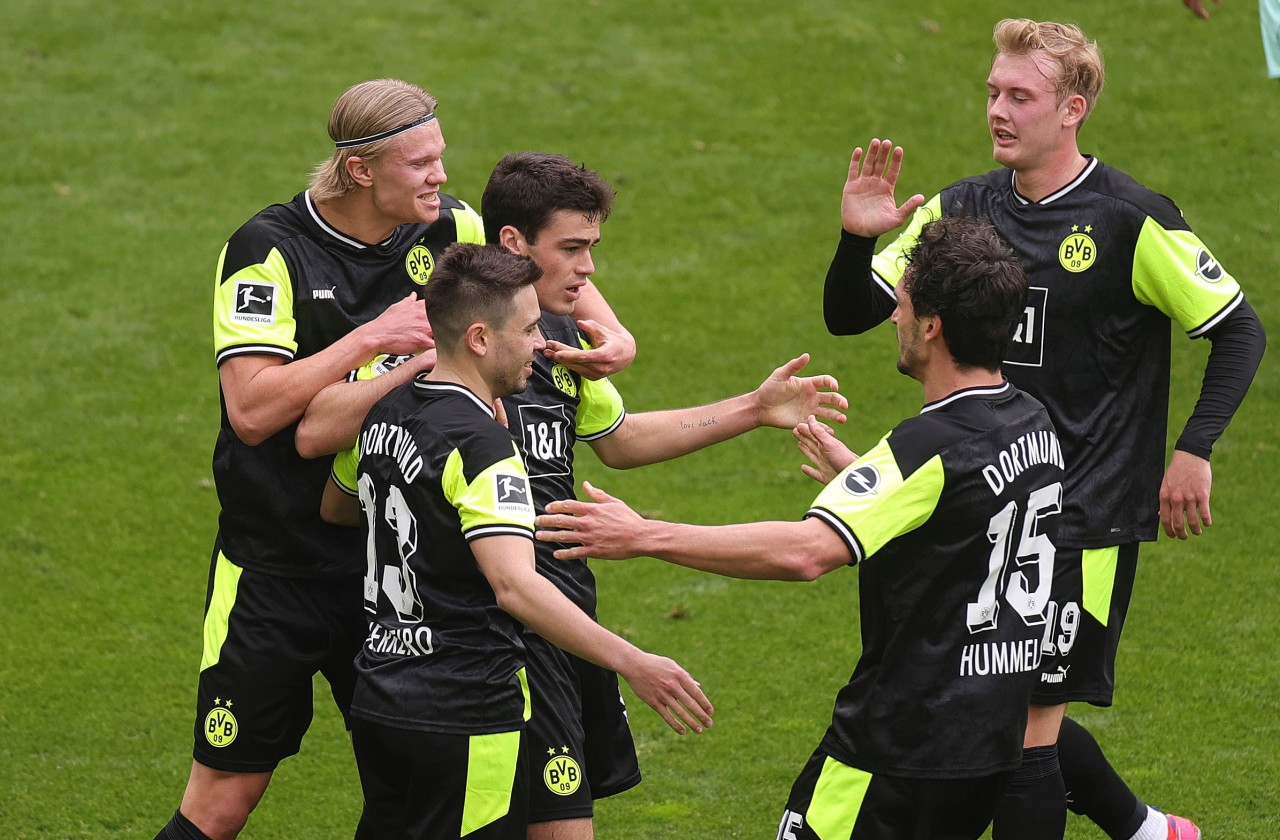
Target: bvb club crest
<point>1078,251</point>
<point>562,775</point>
<point>419,265</point>
<point>220,726</point>
<point>564,380</point>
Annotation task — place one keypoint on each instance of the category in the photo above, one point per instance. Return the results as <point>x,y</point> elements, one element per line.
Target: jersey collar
<point>423,387</point>
<point>964,393</point>
<point>333,232</point>
<point>1052,197</point>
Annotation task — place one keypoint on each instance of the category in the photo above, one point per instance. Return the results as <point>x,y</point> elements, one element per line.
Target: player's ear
<point>359,170</point>
<point>1075,109</point>
<point>477,338</point>
<point>513,240</point>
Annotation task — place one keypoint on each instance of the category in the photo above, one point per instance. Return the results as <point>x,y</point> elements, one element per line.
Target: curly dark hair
<point>963,271</point>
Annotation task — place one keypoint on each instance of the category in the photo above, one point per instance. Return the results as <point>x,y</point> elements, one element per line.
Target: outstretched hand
<point>785,399</point>
<point>669,691</point>
<point>610,352</point>
<point>604,528</point>
<point>818,443</point>
<point>868,206</point>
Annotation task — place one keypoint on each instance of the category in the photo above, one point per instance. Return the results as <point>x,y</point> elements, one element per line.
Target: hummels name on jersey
<point>995,658</point>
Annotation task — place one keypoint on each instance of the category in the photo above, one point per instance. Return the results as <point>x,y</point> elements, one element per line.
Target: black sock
<point>1034,806</point>
<point>1094,789</point>
<point>181,828</point>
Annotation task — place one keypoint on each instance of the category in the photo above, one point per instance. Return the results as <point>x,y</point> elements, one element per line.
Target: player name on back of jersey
<point>996,658</point>
<point>399,641</point>
<point>1030,450</point>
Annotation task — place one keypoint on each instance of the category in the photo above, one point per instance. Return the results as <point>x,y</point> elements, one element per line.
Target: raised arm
<point>851,302</point>
<point>508,564</point>
<point>868,207</point>
<point>782,400</point>
<point>264,394</point>
<point>613,348</point>
<point>608,529</point>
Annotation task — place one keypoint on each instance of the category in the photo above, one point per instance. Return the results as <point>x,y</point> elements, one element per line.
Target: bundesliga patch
<point>255,303</point>
<point>862,481</point>
<point>512,492</point>
<point>1207,268</point>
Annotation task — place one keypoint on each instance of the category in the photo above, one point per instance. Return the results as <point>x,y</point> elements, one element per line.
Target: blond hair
<point>1079,60</point>
<point>364,110</point>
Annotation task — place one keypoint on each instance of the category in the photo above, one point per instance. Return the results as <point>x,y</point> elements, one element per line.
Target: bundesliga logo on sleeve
<point>255,303</point>
<point>512,492</point>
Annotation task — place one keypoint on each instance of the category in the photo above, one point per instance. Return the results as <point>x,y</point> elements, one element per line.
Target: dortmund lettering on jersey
<point>289,285</point>
<point>951,518</point>
<point>434,471</point>
<point>557,409</point>
<point>1111,265</point>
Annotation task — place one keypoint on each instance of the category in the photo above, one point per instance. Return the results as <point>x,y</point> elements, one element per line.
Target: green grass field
<point>140,135</point>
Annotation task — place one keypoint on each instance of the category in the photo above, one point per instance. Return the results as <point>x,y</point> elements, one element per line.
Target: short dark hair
<point>963,271</point>
<point>474,283</point>
<point>527,188</point>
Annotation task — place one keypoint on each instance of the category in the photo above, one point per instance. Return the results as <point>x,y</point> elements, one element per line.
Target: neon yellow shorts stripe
<point>837,800</point>
<point>226,581</point>
<point>491,775</point>
<point>524,688</point>
<point>1098,578</point>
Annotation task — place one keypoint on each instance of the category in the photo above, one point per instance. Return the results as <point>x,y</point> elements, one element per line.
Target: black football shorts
<point>265,637</point>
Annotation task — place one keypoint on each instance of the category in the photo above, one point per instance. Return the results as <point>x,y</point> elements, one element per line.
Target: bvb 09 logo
<point>562,775</point>
<point>220,727</point>
<point>1077,252</point>
<point>419,265</point>
<point>564,380</point>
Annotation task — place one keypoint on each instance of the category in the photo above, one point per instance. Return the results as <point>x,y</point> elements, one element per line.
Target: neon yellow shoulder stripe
<point>891,263</point>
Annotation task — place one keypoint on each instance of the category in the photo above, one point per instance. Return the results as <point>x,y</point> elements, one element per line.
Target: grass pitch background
<point>138,136</point>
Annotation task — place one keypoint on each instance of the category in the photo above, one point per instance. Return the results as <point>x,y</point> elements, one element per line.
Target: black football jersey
<point>434,471</point>
<point>557,409</point>
<point>1111,265</point>
<point>289,285</point>
<point>951,519</point>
